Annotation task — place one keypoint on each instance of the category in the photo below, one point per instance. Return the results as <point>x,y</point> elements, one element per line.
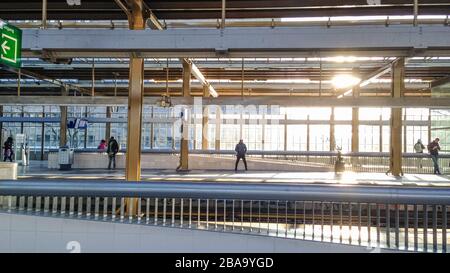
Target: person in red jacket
<point>102,146</point>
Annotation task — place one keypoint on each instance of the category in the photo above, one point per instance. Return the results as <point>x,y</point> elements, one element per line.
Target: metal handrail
<point>241,191</point>
<point>402,218</point>
<point>268,153</point>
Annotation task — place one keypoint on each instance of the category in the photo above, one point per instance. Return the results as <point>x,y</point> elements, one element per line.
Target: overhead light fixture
<point>343,59</point>
<point>344,81</point>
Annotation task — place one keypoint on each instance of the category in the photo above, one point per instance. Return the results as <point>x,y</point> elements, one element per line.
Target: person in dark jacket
<point>434,149</point>
<point>113,149</point>
<point>241,150</point>
<point>8,146</point>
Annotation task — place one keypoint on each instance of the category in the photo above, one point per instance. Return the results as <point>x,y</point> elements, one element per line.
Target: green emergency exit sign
<point>10,45</point>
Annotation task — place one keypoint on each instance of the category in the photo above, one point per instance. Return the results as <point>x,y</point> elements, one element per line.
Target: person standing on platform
<point>434,149</point>
<point>102,145</point>
<point>8,146</point>
<point>241,150</point>
<point>418,148</point>
<point>113,149</point>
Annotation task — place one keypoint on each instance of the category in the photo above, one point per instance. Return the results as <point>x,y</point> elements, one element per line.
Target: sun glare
<point>344,81</point>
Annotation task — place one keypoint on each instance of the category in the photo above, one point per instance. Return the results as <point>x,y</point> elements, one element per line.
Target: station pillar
<point>397,90</point>
<point>355,125</point>
<point>184,145</point>
<point>205,121</point>
<point>135,98</point>
<point>63,120</point>
<point>332,132</point>
<point>136,21</point>
<point>108,124</point>
<point>355,129</point>
<point>218,124</point>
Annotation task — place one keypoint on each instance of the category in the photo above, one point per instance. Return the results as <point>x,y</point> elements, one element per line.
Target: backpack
<point>418,147</point>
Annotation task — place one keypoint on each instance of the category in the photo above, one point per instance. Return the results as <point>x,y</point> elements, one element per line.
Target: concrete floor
<point>39,170</point>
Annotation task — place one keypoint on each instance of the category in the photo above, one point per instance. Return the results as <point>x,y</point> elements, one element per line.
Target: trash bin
<point>65,158</point>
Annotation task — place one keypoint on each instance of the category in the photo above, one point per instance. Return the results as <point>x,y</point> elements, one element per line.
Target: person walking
<point>8,152</point>
<point>418,148</point>
<point>434,149</point>
<point>113,149</point>
<point>241,150</point>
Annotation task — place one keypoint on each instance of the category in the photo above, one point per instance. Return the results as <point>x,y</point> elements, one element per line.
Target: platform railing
<point>407,219</point>
<point>354,161</point>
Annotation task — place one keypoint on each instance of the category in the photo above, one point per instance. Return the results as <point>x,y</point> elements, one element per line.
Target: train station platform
<point>39,170</point>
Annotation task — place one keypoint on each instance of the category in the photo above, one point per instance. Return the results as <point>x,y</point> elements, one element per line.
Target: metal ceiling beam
<point>211,23</point>
<point>366,79</point>
<point>107,10</point>
<point>292,87</point>
<point>282,4</point>
<point>242,42</point>
<point>48,79</point>
<point>439,82</point>
<point>288,101</point>
<point>200,77</point>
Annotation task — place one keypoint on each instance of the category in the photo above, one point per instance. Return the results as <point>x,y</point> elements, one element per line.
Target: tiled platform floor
<point>38,170</point>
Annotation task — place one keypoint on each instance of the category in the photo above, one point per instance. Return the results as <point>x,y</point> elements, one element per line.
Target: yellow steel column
<point>355,123</point>
<point>397,86</point>
<point>355,129</point>
<point>63,121</point>
<point>205,121</point>
<point>355,126</point>
<point>308,134</point>
<point>135,97</point>
<point>285,140</point>
<point>429,126</point>
<point>218,123</point>
<point>332,137</point>
<point>136,21</point>
<point>152,144</point>
<point>108,124</point>
<point>184,147</point>
<point>187,68</point>
<point>381,133</point>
